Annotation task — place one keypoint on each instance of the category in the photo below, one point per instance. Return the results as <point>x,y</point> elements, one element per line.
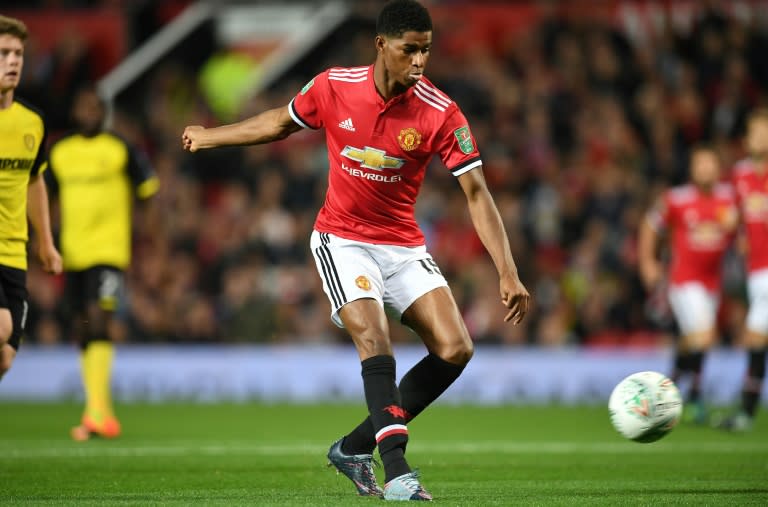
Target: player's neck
<point>93,132</point>
<point>760,164</point>
<point>386,85</point>
<point>6,99</point>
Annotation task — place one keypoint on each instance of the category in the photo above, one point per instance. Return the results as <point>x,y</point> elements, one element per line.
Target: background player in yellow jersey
<point>22,192</point>
<point>95,175</point>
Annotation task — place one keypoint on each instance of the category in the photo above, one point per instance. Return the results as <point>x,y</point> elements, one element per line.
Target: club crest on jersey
<point>371,158</point>
<point>29,141</point>
<point>464,139</point>
<point>409,139</point>
<point>363,283</point>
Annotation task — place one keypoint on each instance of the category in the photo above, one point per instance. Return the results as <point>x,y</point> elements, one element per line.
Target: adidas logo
<point>347,125</point>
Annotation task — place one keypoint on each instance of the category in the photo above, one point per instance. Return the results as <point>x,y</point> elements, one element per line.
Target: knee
<point>95,325</point>
<point>459,352</point>
<point>7,354</point>
<point>700,341</point>
<point>6,329</point>
<point>755,339</point>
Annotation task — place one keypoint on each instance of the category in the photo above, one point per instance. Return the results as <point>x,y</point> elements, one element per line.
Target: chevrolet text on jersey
<point>359,173</point>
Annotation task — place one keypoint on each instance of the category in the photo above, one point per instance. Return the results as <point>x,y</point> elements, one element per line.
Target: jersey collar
<point>378,100</point>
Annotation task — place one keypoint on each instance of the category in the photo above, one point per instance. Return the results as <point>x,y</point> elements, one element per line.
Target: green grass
<point>274,455</point>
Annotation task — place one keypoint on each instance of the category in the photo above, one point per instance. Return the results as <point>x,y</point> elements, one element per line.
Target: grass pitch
<point>275,455</point>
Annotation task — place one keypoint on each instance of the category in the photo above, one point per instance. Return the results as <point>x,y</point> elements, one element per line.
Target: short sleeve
<point>308,106</point>
<point>142,176</point>
<point>41,161</point>
<point>456,145</point>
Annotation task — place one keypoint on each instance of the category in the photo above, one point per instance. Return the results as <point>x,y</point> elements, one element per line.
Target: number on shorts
<point>430,266</point>
<point>109,285</point>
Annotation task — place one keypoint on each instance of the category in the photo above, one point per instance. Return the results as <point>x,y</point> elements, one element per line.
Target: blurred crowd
<point>579,125</point>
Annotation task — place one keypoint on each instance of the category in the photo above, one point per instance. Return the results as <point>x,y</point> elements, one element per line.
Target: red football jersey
<point>701,226</point>
<point>752,194</point>
<point>378,151</point>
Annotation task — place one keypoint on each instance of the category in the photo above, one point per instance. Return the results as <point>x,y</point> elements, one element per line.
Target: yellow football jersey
<point>96,178</point>
<point>22,154</point>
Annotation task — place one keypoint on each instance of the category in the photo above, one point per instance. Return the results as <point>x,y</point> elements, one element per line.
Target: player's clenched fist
<point>190,139</point>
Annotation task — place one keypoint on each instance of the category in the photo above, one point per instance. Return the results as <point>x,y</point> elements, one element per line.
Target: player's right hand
<point>50,259</point>
<point>190,139</point>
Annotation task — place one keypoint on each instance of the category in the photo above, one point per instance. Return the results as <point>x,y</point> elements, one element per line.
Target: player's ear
<point>380,42</point>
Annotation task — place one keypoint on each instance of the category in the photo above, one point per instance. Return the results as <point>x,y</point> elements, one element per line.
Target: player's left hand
<point>514,296</point>
<point>51,259</point>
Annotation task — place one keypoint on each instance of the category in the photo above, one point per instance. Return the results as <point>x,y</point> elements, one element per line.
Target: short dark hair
<point>90,88</point>
<point>703,148</point>
<point>400,16</point>
<point>14,27</point>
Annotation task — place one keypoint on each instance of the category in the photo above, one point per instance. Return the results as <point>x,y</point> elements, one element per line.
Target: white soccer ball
<point>645,406</point>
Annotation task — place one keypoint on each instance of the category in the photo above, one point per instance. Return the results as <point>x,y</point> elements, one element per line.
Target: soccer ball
<point>645,406</point>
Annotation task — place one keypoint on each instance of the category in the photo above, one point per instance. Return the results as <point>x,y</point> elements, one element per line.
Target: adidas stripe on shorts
<point>393,275</point>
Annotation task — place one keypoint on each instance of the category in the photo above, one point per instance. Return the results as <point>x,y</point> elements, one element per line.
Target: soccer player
<point>383,123</point>
<point>701,218</point>
<point>95,175</point>
<point>750,178</point>
<point>22,192</point>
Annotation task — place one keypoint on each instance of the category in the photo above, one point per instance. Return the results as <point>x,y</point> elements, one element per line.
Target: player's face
<point>405,57</point>
<point>11,62</point>
<point>88,111</point>
<point>705,168</point>
<point>757,138</point>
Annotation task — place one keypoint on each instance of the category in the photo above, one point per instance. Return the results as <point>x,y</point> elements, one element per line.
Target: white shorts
<point>694,307</point>
<point>757,291</point>
<point>392,275</point>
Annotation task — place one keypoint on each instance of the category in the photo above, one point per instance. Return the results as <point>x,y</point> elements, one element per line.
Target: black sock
<point>386,413</point>
<point>681,367</point>
<point>695,361</point>
<point>422,385</point>
<point>753,384</point>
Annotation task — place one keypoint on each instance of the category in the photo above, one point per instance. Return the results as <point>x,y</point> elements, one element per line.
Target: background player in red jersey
<point>701,218</point>
<point>383,124</point>
<point>750,179</point>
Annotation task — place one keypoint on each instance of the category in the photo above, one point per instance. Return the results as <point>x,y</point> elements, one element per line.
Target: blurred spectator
<point>580,125</point>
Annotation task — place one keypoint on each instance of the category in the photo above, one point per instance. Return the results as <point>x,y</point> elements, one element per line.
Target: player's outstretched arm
<point>488,224</point>
<point>39,216</point>
<point>271,125</point>
<point>650,269</point>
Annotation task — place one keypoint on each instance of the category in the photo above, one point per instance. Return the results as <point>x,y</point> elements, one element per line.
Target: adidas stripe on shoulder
<point>432,96</point>
<point>349,75</point>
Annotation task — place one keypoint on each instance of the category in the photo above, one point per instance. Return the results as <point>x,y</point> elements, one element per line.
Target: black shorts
<point>103,285</point>
<point>13,295</point>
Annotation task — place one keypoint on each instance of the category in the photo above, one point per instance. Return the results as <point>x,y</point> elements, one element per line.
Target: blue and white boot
<point>406,487</point>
